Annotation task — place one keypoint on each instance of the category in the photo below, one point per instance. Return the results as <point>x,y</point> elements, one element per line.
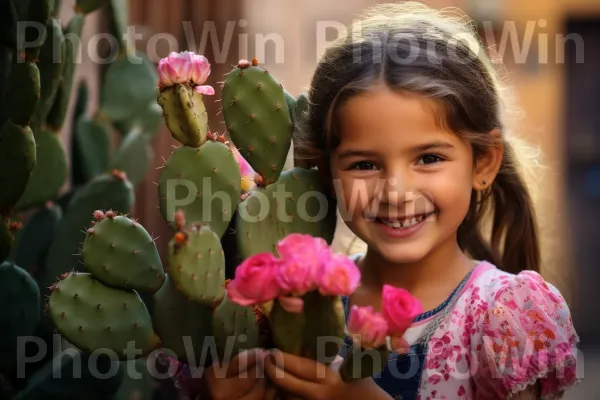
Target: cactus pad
<point>287,329</point>
<point>295,204</point>
<point>33,241</point>
<point>197,265</point>
<point>23,91</point>
<point>18,158</point>
<point>105,192</point>
<point>21,309</point>
<point>128,87</point>
<point>119,252</point>
<point>93,140</point>
<point>94,316</point>
<point>235,329</point>
<point>183,325</point>
<point>50,71</point>
<point>185,114</point>
<point>134,156</point>
<point>202,182</point>
<point>326,324</point>
<point>258,119</point>
<point>49,174</point>
<point>57,113</point>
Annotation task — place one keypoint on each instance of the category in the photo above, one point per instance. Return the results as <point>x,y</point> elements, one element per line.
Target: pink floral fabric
<point>504,332</point>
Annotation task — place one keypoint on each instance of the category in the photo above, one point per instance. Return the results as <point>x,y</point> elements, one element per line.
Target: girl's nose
<point>396,190</point>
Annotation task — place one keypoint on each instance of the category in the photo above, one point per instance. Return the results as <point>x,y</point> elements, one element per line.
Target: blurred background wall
<point>551,50</point>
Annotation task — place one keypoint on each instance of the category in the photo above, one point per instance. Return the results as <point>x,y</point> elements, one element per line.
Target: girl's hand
<point>241,378</point>
<point>311,380</point>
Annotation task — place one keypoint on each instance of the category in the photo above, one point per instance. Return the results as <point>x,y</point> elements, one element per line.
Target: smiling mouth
<point>405,222</point>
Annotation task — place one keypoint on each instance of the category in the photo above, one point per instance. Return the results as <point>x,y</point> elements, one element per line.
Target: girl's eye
<point>363,165</point>
<point>430,159</point>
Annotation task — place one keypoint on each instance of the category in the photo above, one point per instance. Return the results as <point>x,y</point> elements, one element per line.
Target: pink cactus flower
<point>255,280</point>
<point>306,250</point>
<point>338,275</point>
<point>295,276</point>
<point>399,307</point>
<point>367,328</point>
<point>185,67</point>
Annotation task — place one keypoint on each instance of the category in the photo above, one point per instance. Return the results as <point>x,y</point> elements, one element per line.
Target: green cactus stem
<point>297,203</point>
<point>197,264</point>
<point>23,91</point>
<point>134,156</point>
<point>18,157</point>
<point>183,325</point>
<point>325,327</point>
<point>258,119</point>
<point>50,64</point>
<point>93,144</point>
<point>21,312</point>
<point>109,191</point>
<point>58,111</point>
<point>49,174</point>
<point>119,252</point>
<point>203,183</point>
<point>38,13</point>
<point>95,316</point>
<point>235,329</point>
<point>33,240</point>
<point>185,114</point>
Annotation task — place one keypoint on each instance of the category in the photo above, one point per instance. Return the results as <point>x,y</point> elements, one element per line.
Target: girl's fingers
<point>289,382</point>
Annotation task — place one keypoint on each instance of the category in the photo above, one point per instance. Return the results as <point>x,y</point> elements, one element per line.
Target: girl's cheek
<point>355,194</point>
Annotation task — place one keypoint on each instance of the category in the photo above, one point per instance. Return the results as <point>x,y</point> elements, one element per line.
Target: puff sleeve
<point>525,336</point>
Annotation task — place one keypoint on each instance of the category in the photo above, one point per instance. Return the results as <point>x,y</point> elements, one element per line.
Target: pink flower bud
<point>338,276</point>
<point>255,280</point>
<point>368,329</point>
<point>185,67</point>
<point>399,308</point>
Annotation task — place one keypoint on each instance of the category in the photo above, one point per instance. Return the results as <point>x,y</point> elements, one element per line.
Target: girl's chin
<point>398,253</point>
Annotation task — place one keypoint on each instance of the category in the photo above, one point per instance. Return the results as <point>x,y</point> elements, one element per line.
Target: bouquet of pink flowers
<point>301,292</point>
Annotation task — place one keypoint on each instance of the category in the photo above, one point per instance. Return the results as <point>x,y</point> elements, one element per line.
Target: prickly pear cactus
<point>212,186</point>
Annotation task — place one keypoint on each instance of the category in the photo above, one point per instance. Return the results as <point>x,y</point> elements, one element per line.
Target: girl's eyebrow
<point>416,149</point>
<point>356,153</point>
<point>433,145</point>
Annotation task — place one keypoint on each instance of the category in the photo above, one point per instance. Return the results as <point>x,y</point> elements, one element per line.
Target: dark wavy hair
<point>411,47</point>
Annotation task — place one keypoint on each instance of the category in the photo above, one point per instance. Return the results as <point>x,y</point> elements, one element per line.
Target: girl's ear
<point>488,165</point>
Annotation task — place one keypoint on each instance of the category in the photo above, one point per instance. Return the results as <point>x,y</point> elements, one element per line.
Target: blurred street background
<point>550,50</point>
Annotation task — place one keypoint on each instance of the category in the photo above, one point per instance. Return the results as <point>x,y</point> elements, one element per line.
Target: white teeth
<point>403,224</point>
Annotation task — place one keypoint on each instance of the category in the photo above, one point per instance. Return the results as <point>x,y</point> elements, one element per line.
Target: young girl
<point>406,119</point>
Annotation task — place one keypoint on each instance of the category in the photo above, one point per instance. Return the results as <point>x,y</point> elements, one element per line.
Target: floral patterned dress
<point>496,334</point>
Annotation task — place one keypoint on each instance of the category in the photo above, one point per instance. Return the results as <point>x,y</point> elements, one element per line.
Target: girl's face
<point>403,183</point>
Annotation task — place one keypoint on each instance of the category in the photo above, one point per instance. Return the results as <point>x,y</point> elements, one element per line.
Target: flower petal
<point>205,89</point>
